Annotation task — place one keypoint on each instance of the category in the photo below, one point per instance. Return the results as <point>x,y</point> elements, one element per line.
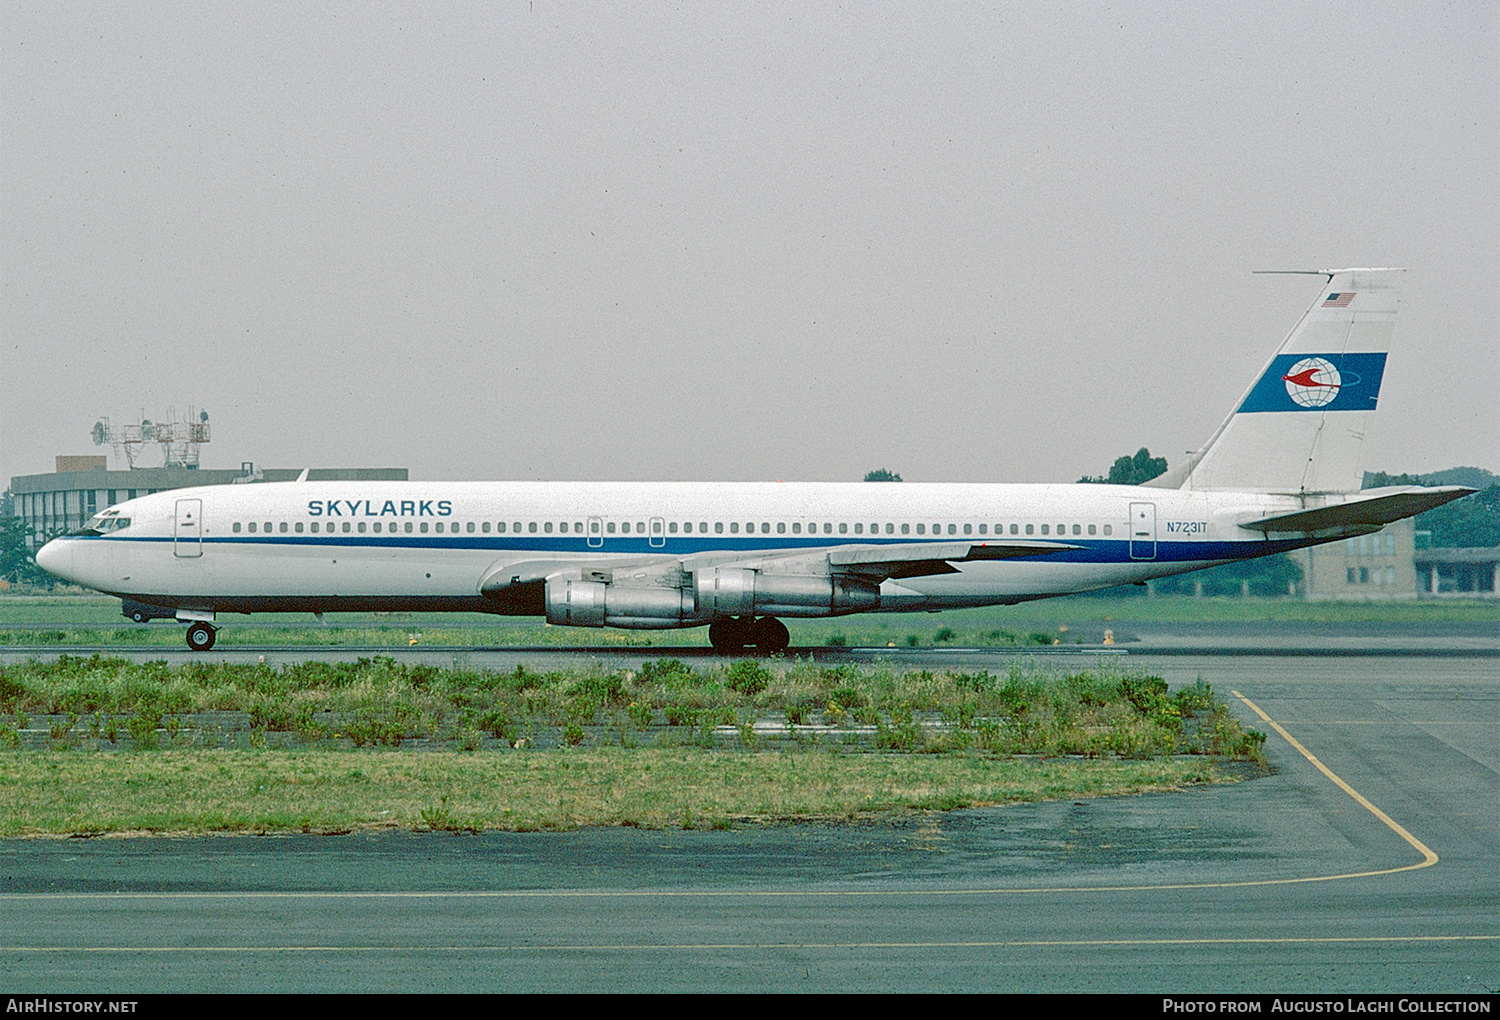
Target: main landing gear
<point>200,636</point>
<point>734,635</point>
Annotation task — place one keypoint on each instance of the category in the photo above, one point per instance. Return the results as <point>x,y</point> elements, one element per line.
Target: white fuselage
<point>327,546</point>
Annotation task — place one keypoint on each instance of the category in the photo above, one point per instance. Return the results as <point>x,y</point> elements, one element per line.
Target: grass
<point>90,620</point>
<point>665,744</point>
<point>178,791</point>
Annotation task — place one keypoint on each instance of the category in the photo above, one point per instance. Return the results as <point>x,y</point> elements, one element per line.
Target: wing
<point>870,564</point>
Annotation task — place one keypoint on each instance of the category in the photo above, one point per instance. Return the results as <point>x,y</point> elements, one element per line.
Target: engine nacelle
<point>579,603</point>
<point>735,591</point>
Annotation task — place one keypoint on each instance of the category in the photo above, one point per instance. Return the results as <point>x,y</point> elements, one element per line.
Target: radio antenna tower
<point>179,440</point>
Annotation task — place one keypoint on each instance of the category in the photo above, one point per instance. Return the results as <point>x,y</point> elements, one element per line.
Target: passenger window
<point>485,527</point>
<point>438,527</point>
<point>968,529</point>
<point>672,528</point>
<point>547,527</point>
<point>236,528</point>
<point>906,529</point>
<point>610,527</point>
<point>796,527</point>
<point>1091,529</point>
<point>703,527</point>
<point>531,527</point>
<point>297,527</point>
<point>408,527</point>
<point>781,527</point>
<point>1044,529</point>
<point>1013,529</point>
<point>1030,528</point>
<point>268,527</point>
<point>1077,530</point>
<point>656,527</point>
<point>470,528</point>
<point>421,527</point>
<point>734,527</point>
<point>765,527</point>
<point>377,527</point>
<point>952,530</point>
<point>1108,530</point>
<point>252,527</point>
<point>718,527</point>
<point>982,527</point>
<point>859,529</point>
<point>921,529</point>
<point>843,529</point>
<point>361,527</point>
<point>890,529</point>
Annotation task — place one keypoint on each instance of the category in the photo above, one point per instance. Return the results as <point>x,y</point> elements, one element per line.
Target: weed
<point>640,714</point>
<point>747,677</point>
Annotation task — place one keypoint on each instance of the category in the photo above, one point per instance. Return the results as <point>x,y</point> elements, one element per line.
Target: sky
<point>538,240</point>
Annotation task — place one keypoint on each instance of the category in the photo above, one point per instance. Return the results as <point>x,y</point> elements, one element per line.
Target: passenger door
<point>1143,531</point>
<point>187,532</point>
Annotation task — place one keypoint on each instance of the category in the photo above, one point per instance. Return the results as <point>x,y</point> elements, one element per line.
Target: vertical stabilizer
<point>1300,426</point>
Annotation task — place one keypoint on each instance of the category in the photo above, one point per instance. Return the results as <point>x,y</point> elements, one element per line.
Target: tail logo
<point>1312,382</point>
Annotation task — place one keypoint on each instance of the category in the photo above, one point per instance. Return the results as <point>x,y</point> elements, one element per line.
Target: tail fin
<point>1300,426</point>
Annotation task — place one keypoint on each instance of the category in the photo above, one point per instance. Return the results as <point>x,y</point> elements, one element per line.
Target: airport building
<point>1397,562</point>
<point>82,486</point>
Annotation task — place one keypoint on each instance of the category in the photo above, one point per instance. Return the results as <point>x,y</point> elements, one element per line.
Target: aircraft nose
<point>56,558</point>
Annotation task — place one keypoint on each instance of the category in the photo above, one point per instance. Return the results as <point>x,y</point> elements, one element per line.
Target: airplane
<point>1282,472</point>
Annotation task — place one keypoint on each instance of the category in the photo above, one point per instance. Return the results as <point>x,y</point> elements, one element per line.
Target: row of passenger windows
<point>657,526</point>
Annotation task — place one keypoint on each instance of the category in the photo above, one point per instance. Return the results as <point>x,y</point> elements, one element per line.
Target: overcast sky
<point>535,240</point>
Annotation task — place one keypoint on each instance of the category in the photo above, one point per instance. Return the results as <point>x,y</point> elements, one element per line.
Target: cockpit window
<point>103,524</point>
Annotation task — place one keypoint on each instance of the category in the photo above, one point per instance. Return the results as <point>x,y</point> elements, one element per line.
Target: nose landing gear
<point>200,636</point>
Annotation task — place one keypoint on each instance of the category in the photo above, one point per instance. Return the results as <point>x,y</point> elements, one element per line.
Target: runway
<point>1367,862</point>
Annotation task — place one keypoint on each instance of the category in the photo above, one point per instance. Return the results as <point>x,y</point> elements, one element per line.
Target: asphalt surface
<point>1375,868</point>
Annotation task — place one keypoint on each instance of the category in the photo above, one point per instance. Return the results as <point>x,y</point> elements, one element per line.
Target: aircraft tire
<point>729,636</point>
<point>200,636</point>
<point>770,636</point>
<point>138,616</point>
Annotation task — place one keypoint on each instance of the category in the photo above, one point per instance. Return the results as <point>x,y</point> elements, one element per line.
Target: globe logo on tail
<point>1312,382</point>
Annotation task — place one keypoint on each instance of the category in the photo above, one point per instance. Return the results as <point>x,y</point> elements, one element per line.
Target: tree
<point>1135,470</point>
<point>881,475</point>
<point>1469,523</point>
<point>17,564</point>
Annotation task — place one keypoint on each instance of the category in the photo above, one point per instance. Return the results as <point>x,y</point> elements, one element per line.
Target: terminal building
<point>82,486</point>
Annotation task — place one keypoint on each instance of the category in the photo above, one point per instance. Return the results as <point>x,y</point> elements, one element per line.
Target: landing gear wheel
<point>200,636</point>
<point>138,616</point>
<point>727,635</point>
<point>770,636</point>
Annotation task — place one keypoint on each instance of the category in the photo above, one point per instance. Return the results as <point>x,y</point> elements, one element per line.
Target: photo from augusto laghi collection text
<point>1327,1004</point>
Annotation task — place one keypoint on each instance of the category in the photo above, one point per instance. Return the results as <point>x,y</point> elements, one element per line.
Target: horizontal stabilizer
<point>1370,509</point>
